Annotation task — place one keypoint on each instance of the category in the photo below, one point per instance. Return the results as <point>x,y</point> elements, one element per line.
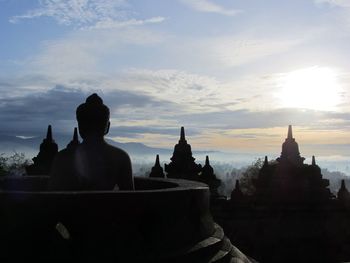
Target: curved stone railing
<point>161,221</point>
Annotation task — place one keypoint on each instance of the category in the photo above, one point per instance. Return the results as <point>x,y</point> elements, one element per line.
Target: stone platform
<point>161,221</point>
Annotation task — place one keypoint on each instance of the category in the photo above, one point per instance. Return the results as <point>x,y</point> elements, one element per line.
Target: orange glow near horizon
<point>258,141</point>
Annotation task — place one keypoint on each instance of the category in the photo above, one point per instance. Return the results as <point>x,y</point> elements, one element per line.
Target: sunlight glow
<point>314,88</point>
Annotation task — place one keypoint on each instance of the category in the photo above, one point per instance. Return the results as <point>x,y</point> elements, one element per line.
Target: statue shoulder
<point>64,154</point>
<point>121,159</point>
<point>118,152</point>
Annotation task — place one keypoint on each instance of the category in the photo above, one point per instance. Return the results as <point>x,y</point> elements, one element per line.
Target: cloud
<point>341,14</point>
<point>68,12</point>
<point>86,14</point>
<point>152,118</point>
<point>154,99</point>
<point>140,93</point>
<point>193,92</point>
<point>83,52</point>
<point>235,51</point>
<point>247,119</point>
<point>28,114</point>
<point>217,54</point>
<point>341,3</point>
<point>31,113</point>
<point>207,6</point>
<point>110,23</point>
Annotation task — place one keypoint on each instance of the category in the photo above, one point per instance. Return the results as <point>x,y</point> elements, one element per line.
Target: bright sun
<point>310,88</point>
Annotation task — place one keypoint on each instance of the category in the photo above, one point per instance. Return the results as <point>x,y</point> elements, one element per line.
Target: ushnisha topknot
<point>94,99</point>
<point>93,112</point>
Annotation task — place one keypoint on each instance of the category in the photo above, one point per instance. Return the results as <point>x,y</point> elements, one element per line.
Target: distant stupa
<point>289,179</point>
<point>43,161</point>
<point>237,195</point>
<point>290,150</point>
<point>343,193</point>
<point>157,170</point>
<point>182,163</point>
<point>207,176</point>
<point>75,141</point>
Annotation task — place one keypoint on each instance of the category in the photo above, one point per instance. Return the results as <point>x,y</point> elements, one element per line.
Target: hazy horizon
<point>143,156</point>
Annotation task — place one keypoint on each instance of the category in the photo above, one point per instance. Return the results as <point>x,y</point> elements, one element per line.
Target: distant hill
<point>139,148</point>
<point>30,146</point>
<point>9,144</point>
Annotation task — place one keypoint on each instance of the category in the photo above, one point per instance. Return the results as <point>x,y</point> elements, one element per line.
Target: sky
<point>234,73</point>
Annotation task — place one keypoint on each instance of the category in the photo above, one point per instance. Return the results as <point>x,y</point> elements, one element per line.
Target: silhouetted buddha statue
<point>93,164</point>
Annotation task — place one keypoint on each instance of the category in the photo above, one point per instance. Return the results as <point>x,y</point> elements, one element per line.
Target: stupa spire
<point>49,133</point>
<point>207,160</point>
<point>290,132</point>
<point>313,160</point>
<point>342,184</point>
<point>75,135</point>
<point>266,161</point>
<point>237,186</point>
<point>157,161</point>
<point>182,134</point>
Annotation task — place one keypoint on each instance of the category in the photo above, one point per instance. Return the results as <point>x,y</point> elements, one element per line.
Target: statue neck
<point>93,138</point>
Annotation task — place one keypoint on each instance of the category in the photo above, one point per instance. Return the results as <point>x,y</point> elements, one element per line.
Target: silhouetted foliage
<point>335,178</point>
<point>248,176</point>
<point>2,165</point>
<point>14,164</point>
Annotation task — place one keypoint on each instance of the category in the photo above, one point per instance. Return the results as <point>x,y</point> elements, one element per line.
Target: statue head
<point>93,117</point>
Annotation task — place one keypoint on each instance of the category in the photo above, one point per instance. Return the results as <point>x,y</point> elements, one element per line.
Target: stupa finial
<point>237,186</point>
<point>157,161</point>
<point>207,160</point>
<point>75,135</point>
<point>182,134</point>
<point>343,184</point>
<point>290,132</point>
<point>313,160</point>
<point>49,133</point>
